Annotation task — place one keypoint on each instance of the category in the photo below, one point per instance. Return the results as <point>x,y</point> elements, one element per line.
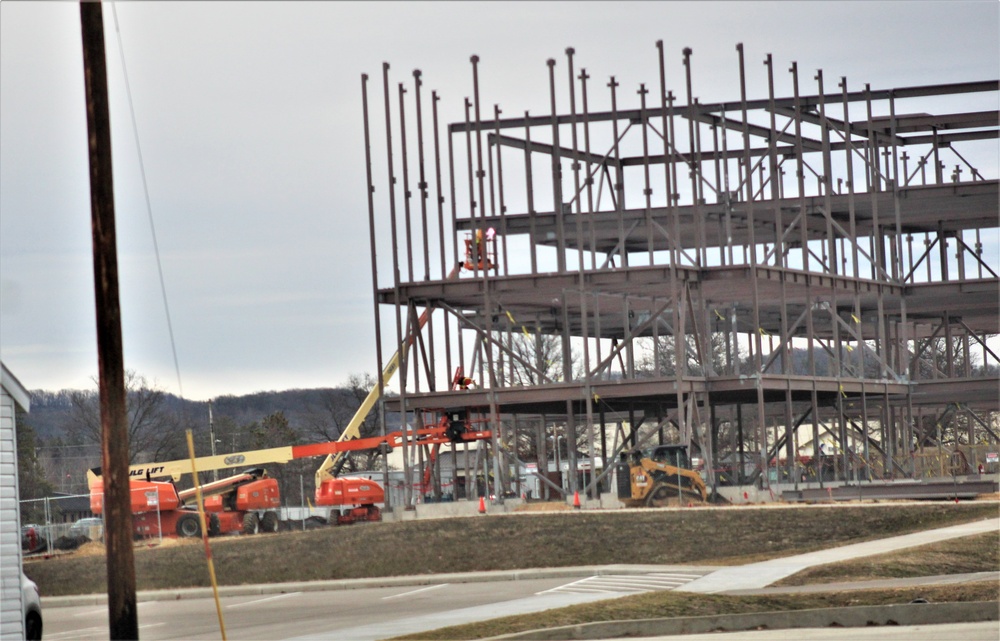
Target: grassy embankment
<point>723,536</point>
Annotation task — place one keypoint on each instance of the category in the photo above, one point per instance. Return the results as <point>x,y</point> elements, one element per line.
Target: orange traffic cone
<point>576,500</point>
<point>482,505</point>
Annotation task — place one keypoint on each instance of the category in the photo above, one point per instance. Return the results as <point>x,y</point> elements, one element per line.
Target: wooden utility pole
<point>122,619</point>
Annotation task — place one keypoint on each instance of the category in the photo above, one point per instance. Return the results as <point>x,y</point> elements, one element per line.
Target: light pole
<point>211,432</point>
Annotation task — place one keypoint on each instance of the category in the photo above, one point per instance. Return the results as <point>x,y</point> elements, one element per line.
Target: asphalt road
<point>358,615</point>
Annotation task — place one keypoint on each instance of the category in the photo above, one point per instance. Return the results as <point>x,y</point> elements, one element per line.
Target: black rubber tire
<point>33,627</point>
<point>188,526</point>
<point>214,527</point>
<point>251,524</point>
<point>269,523</point>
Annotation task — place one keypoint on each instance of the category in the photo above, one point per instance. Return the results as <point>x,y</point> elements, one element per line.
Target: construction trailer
<point>749,278</point>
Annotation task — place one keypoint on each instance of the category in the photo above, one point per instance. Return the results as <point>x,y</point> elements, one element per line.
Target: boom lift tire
<point>251,524</point>
<point>214,526</point>
<point>269,523</point>
<point>188,526</point>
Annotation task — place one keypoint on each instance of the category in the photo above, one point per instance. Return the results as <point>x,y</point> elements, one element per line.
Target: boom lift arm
<point>441,433</point>
<point>334,462</point>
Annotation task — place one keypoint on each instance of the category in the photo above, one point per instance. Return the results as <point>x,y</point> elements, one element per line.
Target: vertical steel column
<point>619,186</point>
<point>817,450</point>
<point>408,227</point>
<point>576,162</point>
<point>879,245</point>
<point>374,255</point>
<point>752,242</point>
<point>827,179</point>
<point>779,244</point>
<point>772,157</point>
<point>647,189</point>
<point>804,227</point>
<point>530,194</point>
<point>502,202</point>
<point>557,204</point>
<point>583,287</point>
<point>422,186</point>
<point>800,169</point>
<point>791,428</point>
<point>441,241</point>
<point>487,299</point>
<point>864,432</point>
<point>849,159</point>
<point>459,341</point>
<point>589,180</point>
<point>403,354</point>
<point>694,162</point>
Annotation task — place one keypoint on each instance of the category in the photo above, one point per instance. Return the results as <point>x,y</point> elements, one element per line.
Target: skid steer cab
<point>660,476</point>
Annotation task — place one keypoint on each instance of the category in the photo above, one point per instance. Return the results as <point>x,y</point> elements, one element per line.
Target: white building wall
<point>12,394</point>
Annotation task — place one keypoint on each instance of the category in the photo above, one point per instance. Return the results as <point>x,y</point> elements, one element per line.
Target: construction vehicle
<point>659,476</point>
<point>244,502</point>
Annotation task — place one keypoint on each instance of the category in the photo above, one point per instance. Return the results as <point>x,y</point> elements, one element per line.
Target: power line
<point>149,208</point>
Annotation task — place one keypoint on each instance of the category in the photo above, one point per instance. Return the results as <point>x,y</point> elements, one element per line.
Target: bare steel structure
<point>801,288</point>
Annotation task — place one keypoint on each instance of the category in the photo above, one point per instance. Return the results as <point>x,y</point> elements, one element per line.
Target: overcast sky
<point>249,117</point>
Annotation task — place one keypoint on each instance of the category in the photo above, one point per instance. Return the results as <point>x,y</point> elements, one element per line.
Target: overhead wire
<point>149,207</point>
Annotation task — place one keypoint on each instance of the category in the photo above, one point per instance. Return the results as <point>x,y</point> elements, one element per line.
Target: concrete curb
<point>852,617</point>
<point>380,582</point>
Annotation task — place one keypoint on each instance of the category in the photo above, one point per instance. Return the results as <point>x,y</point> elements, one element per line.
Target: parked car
<point>85,527</point>
<point>32,539</point>
<point>32,609</point>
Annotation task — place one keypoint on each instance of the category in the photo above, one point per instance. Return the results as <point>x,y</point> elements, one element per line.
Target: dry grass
<point>980,553</point>
<point>698,536</point>
<point>653,605</point>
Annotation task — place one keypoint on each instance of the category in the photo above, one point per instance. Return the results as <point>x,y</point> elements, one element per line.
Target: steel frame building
<point>752,278</point>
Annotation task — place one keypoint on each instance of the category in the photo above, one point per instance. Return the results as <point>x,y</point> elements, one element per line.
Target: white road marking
<point>270,598</point>
<point>90,633</point>
<point>85,633</point>
<point>433,587</point>
<point>616,583</point>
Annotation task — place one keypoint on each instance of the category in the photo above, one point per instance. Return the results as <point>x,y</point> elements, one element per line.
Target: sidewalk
<point>760,575</point>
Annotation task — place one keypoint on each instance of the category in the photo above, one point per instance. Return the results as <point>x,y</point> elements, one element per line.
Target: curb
<point>851,617</point>
<point>383,582</point>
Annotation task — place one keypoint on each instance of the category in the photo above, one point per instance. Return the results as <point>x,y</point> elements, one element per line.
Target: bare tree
<point>533,359</point>
<point>328,419</point>
<point>274,430</point>
<point>153,431</point>
<point>31,480</point>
